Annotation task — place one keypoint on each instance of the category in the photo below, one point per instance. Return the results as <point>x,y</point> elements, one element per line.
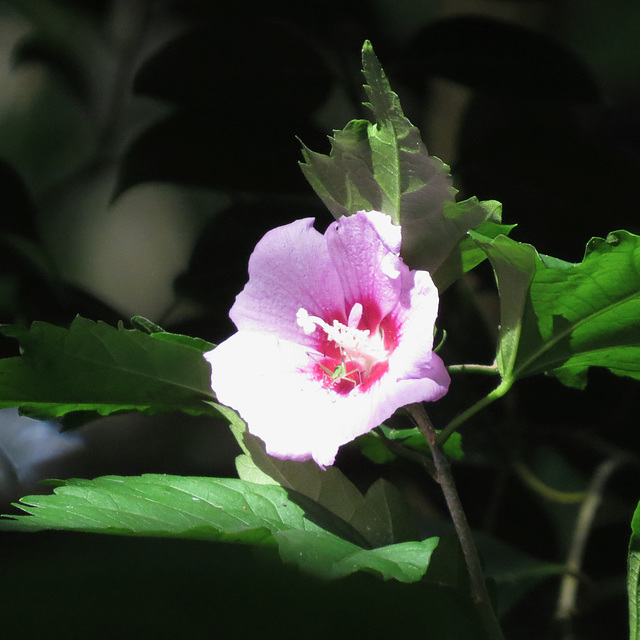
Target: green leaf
<point>385,166</point>
<point>145,325</point>
<point>219,509</point>
<point>373,447</point>
<point>372,444</point>
<point>633,577</point>
<point>391,508</point>
<point>373,166</point>
<point>372,516</point>
<point>467,254</point>
<point>187,341</point>
<point>93,367</point>
<point>562,318</point>
<point>514,265</point>
<point>407,561</point>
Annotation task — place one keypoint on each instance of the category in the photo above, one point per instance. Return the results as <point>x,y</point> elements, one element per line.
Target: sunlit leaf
<point>514,265</point>
<point>95,367</point>
<point>372,515</point>
<point>373,445</point>
<point>562,318</point>
<point>216,509</point>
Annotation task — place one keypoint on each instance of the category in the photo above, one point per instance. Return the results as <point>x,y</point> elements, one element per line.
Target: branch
<point>479,591</point>
<point>487,369</point>
<point>566,606</point>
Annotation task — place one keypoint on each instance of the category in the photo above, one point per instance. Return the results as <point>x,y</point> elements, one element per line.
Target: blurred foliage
<point>101,98</point>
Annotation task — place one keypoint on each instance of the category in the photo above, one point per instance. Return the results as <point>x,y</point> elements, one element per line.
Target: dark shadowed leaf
<point>385,166</point>
<point>166,588</point>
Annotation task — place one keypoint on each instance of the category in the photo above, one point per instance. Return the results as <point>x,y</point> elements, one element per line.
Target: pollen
<point>358,352</point>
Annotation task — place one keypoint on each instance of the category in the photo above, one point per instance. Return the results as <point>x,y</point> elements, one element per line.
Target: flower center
<point>352,354</point>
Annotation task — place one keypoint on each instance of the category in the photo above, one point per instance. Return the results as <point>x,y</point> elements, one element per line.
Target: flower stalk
<point>444,478</point>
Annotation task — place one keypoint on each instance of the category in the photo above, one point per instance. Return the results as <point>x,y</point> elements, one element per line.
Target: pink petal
<point>364,248</point>
<point>290,268</point>
<point>264,371</point>
<point>258,375</point>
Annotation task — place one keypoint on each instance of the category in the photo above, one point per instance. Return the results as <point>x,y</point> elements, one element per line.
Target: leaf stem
<point>549,493</point>
<point>461,418</point>
<point>444,477</point>
<point>487,369</point>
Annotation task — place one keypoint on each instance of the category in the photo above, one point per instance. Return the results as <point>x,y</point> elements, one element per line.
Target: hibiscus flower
<point>335,333</point>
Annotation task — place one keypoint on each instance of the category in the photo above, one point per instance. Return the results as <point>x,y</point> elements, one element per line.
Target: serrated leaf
<point>633,577</point>
<point>406,561</point>
<point>438,237</point>
<point>186,341</point>
<point>95,367</point>
<point>385,166</point>
<point>145,325</point>
<point>368,515</point>
<point>562,318</point>
<point>227,510</point>
<point>219,509</point>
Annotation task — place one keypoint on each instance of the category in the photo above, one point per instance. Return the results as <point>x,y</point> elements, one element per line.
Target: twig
<point>566,606</point>
<point>549,493</point>
<point>479,591</point>
<point>487,369</point>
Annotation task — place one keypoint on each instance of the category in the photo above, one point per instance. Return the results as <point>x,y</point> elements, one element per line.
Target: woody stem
<point>444,477</point>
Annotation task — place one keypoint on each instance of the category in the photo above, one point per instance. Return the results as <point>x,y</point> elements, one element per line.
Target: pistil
<point>355,345</point>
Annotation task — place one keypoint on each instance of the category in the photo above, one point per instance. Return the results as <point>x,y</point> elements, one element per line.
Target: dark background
<point>145,147</point>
